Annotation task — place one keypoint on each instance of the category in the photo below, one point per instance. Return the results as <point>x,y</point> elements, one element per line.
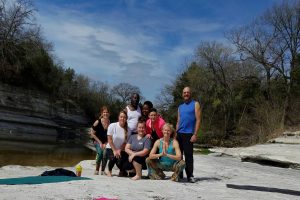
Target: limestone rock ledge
<point>280,155</point>
<point>31,116</point>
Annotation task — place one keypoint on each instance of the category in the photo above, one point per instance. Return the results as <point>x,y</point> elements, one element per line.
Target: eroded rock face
<point>27,115</point>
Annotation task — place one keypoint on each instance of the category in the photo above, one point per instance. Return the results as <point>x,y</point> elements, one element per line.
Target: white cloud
<point>121,51</point>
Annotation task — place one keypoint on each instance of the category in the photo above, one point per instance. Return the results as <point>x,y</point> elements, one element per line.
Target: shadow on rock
<point>264,189</point>
<point>202,179</point>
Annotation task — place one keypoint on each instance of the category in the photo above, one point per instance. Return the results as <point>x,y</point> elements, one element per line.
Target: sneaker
<point>191,180</point>
<point>96,172</point>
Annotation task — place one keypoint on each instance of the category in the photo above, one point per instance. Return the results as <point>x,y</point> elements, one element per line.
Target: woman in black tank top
<point>99,136</point>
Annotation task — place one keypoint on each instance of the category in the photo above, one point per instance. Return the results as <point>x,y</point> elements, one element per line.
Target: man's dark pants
<point>186,147</point>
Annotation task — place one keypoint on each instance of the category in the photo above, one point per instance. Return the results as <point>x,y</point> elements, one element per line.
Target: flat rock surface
<point>287,140</point>
<point>216,178</point>
<point>288,153</point>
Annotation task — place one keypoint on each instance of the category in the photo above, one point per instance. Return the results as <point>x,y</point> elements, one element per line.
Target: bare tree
<point>254,42</point>
<point>123,91</point>
<point>17,28</point>
<point>273,42</point>
<point>165,98</point>
<point>284,18</point>
<point>219,60</point>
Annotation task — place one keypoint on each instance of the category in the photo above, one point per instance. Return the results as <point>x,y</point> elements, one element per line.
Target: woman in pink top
<point>154,125</point>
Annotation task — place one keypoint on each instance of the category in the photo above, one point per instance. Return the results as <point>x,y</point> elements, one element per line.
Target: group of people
<point>141,139</point>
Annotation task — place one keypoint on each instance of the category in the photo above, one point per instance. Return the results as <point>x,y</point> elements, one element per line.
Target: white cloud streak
<point>122,51</point>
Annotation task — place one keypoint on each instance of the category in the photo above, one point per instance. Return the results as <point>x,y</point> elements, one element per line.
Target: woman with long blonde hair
<point>165,156</point>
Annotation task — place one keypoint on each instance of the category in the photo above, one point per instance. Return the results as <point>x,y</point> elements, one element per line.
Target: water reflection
<point>36,154</point>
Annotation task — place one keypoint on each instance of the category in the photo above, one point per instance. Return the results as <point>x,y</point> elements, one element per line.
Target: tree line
<point>249,88</point>
<point>27,60</point>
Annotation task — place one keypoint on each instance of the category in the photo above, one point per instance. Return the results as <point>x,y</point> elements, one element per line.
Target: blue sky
<point>142,42</point>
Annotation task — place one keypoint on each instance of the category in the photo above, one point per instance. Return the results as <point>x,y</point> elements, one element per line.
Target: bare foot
<point>108,173</point>
<point>174,179</point>
<point>136,177</point>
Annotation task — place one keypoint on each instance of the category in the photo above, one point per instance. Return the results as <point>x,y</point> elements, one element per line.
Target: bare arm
<point>178,118</point>
<point>110,142</point>
<point>128,149</point>
<point>198,119</point>
<point>93,133</point>
<point>135,153</point>
<point>177,155</point>
<point>141,153</point>
<point>132,154</point>
<point>153,154</point>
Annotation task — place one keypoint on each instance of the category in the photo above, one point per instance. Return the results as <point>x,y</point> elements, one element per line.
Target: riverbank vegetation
<point>27,60</point>
<point>248,87</point>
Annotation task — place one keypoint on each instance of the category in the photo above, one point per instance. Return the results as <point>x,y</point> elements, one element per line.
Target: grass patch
<point>203,151</point>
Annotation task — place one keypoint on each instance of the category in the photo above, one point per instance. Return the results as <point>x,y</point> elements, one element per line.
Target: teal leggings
<point>101,156</point>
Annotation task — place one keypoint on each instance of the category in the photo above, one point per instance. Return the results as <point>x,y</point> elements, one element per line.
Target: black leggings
<point>141,160</point>
<point>112,160</point>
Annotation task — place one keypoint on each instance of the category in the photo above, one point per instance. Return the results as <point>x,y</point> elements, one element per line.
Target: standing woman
<point>99,136</point>
<point>117,137</point>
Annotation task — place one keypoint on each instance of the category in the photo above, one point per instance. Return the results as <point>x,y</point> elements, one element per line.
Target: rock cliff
<point>31,116</point>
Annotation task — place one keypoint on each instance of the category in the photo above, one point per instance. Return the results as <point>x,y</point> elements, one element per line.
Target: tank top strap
<point>160,145</point>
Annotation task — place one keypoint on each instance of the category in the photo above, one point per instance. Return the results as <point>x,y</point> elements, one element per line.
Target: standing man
<point>133,111</point>
<point>188,125</point>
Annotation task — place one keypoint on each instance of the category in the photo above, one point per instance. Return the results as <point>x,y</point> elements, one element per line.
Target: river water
<point>37,154</point>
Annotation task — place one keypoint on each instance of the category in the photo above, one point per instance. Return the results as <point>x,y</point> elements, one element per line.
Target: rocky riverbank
<point>281,152</point>
<point>29,115</point>
<point>219,175</point>
<point>216,178</point>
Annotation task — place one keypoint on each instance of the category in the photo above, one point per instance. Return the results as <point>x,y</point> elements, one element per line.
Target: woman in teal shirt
<point>168,157</point>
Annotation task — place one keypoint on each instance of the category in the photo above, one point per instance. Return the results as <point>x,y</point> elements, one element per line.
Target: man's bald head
<point>186,94</point>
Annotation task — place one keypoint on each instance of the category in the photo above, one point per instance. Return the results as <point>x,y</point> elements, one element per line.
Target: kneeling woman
<point>117,136</point>
<point>168,157</point>
<point>138,147</point>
